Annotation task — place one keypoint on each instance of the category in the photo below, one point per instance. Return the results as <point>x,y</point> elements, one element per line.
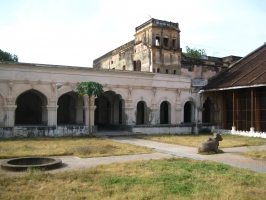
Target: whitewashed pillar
<point>10,114</point>
<point>52,118</point>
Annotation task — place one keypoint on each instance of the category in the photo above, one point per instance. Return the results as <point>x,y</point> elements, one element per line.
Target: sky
<point>75,32</point>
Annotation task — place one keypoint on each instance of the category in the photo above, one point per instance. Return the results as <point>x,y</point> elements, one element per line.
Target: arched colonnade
<point>34,107</point>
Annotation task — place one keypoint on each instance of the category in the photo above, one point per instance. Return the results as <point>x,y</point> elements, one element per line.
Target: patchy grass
<point>156,179</point>
<point>81,147</point>
<point>196,140</point>
<point>255,154</point>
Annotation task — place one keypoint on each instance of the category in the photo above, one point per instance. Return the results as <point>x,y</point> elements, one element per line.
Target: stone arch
<point>31,108</point>
<point>119,91</point>
<point>63,90</point>
<point>142,113</point>
<point>25,88</point>
<point>67,112</point>
<point>189,107</point>
<point>136,100</point>
<point>159,101</point>
<point>165,113</point>
<point>110,109</point>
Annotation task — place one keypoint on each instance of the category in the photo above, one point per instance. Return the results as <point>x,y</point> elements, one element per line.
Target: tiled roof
<point>249,71</point>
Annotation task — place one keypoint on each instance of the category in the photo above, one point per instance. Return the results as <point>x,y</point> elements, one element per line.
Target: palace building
<point>150,87</point>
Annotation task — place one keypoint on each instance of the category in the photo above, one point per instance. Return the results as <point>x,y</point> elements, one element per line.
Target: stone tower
<point>157,47</point>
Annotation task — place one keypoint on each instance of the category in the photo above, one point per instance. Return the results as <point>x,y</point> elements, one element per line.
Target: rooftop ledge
<point>158,22</point>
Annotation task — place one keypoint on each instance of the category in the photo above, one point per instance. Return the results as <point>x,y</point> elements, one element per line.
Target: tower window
<point>173,43</point>
<point>166,71</point>
<point>165,42</point>
<point>174,71</point>
<point>157,41</point>
<point>124,67</point>
<point>158,70</point>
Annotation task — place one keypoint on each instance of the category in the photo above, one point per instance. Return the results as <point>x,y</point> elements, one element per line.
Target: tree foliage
<point>194,53</point>
<point>90,88</point>
<point>5,56</point>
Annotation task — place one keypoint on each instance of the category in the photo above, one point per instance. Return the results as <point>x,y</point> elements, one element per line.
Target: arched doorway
<point>66,112</point>
<point>141,113</point>
<point>189,112</point>
<point>109,110</point>
<point>101,114</point>
<point>31,109</point>
<point>206,114</point>
<point>165,113</point>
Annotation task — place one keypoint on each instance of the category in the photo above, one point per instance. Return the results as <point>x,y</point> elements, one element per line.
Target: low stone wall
<point>168,129</point>
<point>72,131</point>
<point>44,131</point>
<point>251,133</point>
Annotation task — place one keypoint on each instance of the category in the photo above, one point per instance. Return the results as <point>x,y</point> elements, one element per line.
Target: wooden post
<point>252,108</point>
<point>233,108</point>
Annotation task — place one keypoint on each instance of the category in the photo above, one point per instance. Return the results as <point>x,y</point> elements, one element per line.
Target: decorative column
<point>52,118</point>
<point>89,112</point>
<point>86,109</point>
<point>153,117</point>
<point>10,114</point>
<point>178,107</point>
<point>92,110</point>
<point>130,118</point>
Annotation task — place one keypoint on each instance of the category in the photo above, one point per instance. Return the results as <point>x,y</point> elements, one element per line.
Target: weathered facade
<point>146,90</point>
<point>29,100</point>
<point>237,96</point>
<point>156,48</point>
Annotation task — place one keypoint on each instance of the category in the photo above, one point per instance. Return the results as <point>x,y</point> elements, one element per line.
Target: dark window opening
<point>29,109</point>
<point>134,65</point>
<point>173,43</point>
<point>158,70</point>
<point>164,113</point>
<point>66,113</point>
<point>206,114</point>
<point>124,67</point>
<point>112,62</point>
<point>174,71</point>
<point>165,42</point>
<point>187,112</point>
<point>157,41</point>
<point>166,71</point>
<point>140,112</point>
<point>138,65</point>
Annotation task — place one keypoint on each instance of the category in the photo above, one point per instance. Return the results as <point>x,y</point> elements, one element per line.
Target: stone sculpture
<point>211,145</point>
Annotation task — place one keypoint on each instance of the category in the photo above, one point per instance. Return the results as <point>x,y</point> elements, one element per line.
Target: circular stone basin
<point>20,164</point>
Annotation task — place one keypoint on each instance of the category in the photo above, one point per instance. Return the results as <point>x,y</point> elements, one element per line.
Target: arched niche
<point>165,113</point>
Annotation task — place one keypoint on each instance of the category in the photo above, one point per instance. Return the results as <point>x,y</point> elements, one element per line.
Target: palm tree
<point>91,89</point>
